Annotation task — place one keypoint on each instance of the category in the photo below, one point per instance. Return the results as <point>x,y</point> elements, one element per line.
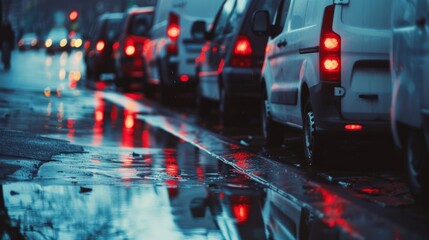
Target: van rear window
<point>140,24</point>
<point>373,14</point>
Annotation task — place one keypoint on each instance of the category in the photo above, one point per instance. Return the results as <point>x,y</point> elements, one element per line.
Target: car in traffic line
<point>172,50</point>
<point>128,50</point>
<point>229,66</point>
<point>98,54</point>
<point>57,40</point>
<point>410,99</point>
<point>28,41</point>
<point>326,71</point>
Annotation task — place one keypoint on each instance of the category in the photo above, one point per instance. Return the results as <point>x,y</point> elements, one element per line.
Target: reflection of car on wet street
<point>133,38</point>
<point>28,41</point>
<point>236,207</point>
<point>98,53</point>
<point>57,40</point>
<point>410,102</point>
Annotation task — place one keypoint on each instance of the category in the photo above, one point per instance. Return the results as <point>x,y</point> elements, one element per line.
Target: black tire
<point>312,141</point>
<point>226,116</point>
<point>417,160</point>
<point>272,131</point>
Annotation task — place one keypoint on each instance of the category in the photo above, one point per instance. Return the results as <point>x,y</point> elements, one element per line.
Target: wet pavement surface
<point>83,160</point>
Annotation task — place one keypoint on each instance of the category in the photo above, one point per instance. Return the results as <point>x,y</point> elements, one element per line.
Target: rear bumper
<point>242,84</point>
<point>131,68</point>
<point>326,107</point>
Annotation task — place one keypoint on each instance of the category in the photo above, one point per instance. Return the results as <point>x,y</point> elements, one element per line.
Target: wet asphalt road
<point>133,169</point>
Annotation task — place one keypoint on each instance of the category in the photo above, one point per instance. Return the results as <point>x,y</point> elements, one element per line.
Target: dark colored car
<point>230,63</point>
<point>128,53</point>
<point>57,41</point>
<point>99,47</point>
<point>28,41</point>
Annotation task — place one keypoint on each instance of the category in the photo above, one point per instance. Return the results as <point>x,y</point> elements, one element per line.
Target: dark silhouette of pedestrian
<point>7,41</point>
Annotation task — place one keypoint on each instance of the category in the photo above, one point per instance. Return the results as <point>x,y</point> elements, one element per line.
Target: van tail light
<point>129,47</point>
<point>330,48</point>
<point>100,46</point>
<point>173,33</point>
<point>173,29</point>
<point>242,54</point>
<point>87,44</point>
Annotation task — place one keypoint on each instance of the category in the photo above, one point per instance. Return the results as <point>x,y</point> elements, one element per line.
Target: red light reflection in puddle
<point>334,210</point>
<point>241,208</point>
<point>98,119</point>
<point>70,127</point>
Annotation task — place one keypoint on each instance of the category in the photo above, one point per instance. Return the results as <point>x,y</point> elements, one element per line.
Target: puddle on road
<point>206,204</point>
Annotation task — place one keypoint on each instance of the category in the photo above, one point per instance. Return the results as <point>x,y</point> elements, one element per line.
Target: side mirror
<point>261,23</point>
<point>198,30</point>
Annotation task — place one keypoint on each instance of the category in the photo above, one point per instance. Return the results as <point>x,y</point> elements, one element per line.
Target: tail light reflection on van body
<point>330,48</point>
<point>242,54</point>
<point>173,33</point>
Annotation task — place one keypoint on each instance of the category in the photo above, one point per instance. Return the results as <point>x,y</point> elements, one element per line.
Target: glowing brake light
<point>130,50</point>
<point>242,54</point>
<point>331,64</point>
<point>353,127</point>
<point>173,29</point>
<point>331,43</point>
<point>330,48</point>
<point>100,46</point>
<point>173,32</point>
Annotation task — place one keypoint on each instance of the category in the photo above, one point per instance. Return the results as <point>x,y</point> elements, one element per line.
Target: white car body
<point>358,101</point>
<point>410,99</point>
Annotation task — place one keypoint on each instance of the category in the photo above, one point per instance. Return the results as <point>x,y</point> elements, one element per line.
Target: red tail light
<point>129,47</point>
<point>173,32</point>
<point>353,127</point>
<point>242,54</point>
<point>100,46</point>
<point>87,44</point>
<point>173,29</point>
<point>330,48</point>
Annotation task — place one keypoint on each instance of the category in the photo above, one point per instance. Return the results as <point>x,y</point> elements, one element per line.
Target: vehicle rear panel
<point>189,48</point>
<point>364,27</point>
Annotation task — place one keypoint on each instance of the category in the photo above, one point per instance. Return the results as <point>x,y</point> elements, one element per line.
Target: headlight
<point>78,43</point>
<point>48,43</point>
<point>63,43</point>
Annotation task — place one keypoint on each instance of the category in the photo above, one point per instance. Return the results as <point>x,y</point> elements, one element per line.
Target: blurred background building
<point>41,15</point>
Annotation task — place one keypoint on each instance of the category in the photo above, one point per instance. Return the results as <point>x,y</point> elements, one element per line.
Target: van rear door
<point>364,27</point>
<point>190,11</point>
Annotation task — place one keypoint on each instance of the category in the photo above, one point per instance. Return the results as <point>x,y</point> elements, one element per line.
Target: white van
<point>326,70</point>
<point>410,100</point>
<point>170,55</point>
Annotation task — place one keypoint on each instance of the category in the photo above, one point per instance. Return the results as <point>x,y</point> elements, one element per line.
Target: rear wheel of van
<point>271,130</point>
<point>312,142</point>
<point>417,160</point>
